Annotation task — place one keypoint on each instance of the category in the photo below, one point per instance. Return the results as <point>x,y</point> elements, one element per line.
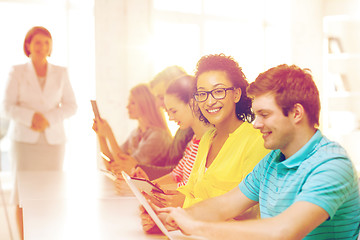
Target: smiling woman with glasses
<point>227,153</point>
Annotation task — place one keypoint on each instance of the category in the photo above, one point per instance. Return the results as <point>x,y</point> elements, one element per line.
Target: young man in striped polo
<point>307,187</point>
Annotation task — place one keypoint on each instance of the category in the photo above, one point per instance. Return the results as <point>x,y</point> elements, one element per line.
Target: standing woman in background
<point>38,98</point>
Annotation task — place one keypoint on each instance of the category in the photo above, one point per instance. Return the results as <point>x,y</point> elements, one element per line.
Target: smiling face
<point>221,111</point>
<point>40,46</point>
<point>179,111</point>
<point>277,129</point>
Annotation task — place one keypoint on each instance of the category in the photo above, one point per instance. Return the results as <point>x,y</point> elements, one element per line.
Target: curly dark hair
<point>227,64</point>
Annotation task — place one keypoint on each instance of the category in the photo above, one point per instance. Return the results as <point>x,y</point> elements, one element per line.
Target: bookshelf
<point>341,88</point>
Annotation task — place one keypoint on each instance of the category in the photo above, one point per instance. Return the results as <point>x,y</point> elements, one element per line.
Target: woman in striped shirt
<point>180,107</point>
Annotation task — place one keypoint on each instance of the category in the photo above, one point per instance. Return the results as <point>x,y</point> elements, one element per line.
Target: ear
<point>298,113</point>
<point>237,94</point>
<point>192,103</point>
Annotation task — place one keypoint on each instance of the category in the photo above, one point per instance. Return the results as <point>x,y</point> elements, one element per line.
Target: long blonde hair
<point>148,107</point>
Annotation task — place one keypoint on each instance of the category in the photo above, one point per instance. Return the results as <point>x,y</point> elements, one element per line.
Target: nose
<point>257,123</point>
<point>171,117</point>
<point>210,100</point>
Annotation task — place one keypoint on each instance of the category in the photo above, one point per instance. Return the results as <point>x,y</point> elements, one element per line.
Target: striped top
<point>320,173</point>
<point>182,171</point>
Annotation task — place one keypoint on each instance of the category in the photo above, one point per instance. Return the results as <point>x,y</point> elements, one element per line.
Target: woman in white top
<point>38,98</point>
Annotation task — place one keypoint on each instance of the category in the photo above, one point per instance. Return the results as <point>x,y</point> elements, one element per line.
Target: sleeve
<point>250,186</point>
<point>125,147</point>
<point>153,148</point>
<point>188,189</point>
<point>329,185</point>
<point>11,109</point>
<point>178,145</point>
<point>178,171</point>
<point>67,106</point>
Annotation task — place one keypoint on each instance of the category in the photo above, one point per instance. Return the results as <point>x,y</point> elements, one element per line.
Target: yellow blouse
<point>243,149</point>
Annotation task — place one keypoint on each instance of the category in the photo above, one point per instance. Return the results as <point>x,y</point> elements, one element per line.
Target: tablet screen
<point>145,204</point>
<point>95,109</point>
<point>146,186</point>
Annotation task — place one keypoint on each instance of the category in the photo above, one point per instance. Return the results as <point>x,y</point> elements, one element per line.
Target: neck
<point>225,129</point>
<point>40,66</point>
<point>199,127</point>
<point>143,126</point>
<point>301,137</point>
<point>39,62</point>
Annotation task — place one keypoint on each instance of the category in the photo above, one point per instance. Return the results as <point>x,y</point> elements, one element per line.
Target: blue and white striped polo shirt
<point>320,173</point>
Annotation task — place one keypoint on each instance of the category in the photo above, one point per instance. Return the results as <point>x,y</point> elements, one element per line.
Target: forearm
<point>155,172</point>
<point>247,229</point>
<point>115,148</point>
<point>294,223</point>
<point>104,147</point>
<point>233,204</point>
<point>166,179</point>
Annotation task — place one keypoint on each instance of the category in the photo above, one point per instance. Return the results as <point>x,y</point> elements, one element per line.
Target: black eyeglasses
<point>217,93</point>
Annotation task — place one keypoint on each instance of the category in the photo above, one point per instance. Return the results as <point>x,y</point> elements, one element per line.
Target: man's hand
<point>178,218</point>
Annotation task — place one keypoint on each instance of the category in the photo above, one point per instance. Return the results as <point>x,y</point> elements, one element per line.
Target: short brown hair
<point>290,85</point>
<point>31,33</point>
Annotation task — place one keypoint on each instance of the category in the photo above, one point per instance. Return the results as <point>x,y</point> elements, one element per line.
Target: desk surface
<point>59,205</point>
<point>94,219</point>
<point>64,185</point>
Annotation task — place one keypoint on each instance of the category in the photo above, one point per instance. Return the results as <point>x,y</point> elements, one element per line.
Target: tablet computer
<point>174,235</point>
<point>145,204</point>
<point>146,185</point>
<point>95,109</point>
<point>109,174</point>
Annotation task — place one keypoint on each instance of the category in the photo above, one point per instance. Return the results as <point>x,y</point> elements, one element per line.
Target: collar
<point>296,159</point>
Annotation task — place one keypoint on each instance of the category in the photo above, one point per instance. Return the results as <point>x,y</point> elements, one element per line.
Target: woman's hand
<point>39,122</point>
<point>147,223</point>
<point>171,198</point>
<point>101,127</point>
<point>139,173</point>
<point>122,187</point>
<point>125,162</point>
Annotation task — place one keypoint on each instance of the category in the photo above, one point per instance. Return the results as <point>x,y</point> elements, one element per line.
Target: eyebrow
<point>215,86</point>
<point>262,111</point>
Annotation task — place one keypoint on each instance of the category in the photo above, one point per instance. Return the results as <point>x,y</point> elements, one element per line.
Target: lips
<point>213,110</point>
<point>265,134</point>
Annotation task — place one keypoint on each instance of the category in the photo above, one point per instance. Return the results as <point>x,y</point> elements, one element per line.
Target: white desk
<point>100,219</point>
<point>62,206</point>
<point>64,185</point>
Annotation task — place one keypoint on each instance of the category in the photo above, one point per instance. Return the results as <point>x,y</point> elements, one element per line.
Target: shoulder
<point>57,68</point>
<point>184,134</point>
<point>20,67</point>
<point>247,130</point>
<point>156,131</point>
<point>329,153</point>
